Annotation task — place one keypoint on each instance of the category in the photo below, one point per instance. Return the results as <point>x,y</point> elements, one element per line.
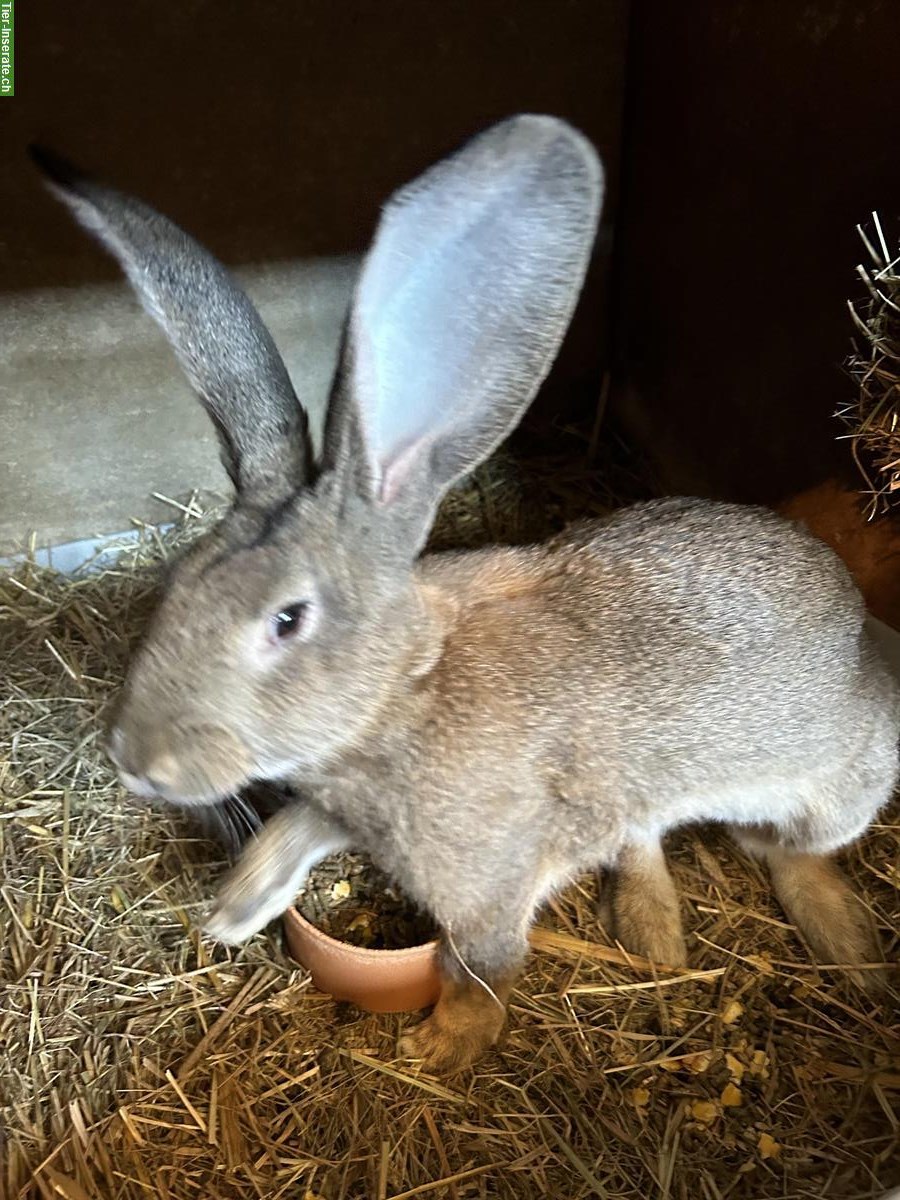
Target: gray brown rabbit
<point>484,725</point>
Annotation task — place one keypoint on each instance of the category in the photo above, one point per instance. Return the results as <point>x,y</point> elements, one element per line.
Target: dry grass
<point>137,1062</point>
<point>873,417</point>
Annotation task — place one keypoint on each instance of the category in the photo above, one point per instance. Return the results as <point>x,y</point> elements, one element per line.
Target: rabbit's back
<point>647,590</point>
<point>687,659</point>
<point>724,560</point>
<point>670,580</point>
<point>735,665</point>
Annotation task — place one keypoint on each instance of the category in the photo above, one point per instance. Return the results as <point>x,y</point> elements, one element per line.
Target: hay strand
<point>873,416</point>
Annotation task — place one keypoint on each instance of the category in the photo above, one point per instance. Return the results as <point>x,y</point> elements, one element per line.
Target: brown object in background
<point>871,549</point>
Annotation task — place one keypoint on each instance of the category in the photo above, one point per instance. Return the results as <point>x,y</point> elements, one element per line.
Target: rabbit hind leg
<point>645,906</point>
<point>819,901</point>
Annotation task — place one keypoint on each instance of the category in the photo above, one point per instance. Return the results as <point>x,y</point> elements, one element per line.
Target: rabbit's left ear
<point>220,340</point>
<point>461,307</point>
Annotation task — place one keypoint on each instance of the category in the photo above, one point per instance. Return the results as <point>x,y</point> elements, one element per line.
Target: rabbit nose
<point>157,777</point>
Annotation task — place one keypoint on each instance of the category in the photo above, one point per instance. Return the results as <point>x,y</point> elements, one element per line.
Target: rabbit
<point>485,725</point>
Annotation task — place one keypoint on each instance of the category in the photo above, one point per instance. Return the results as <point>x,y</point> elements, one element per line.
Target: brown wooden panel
<point>758,134</point>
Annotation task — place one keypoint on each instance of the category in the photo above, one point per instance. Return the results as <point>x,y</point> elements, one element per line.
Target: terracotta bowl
<point>379,981</point>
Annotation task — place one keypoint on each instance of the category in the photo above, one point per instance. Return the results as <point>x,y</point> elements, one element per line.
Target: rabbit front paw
<point>466,1022</point>
<point>271,870</point>
<point>244,906</point>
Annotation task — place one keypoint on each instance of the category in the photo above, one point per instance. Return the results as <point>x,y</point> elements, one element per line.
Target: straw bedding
<point>138,1061</point>
<point>873,415</point>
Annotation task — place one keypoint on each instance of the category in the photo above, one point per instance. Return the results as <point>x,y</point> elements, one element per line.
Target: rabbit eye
<point>288,621</point>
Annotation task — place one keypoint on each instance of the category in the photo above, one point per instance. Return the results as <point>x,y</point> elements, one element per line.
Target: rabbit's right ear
<point>219,338</point>
<point>461,307</point>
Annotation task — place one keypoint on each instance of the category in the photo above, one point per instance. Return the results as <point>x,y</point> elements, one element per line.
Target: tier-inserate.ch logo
<point>7,48</point>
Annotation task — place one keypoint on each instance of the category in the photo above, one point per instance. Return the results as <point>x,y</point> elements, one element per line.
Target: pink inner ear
<point>396,473</point>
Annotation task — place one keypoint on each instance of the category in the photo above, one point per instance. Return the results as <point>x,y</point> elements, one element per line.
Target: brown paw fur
<point>661,942</point>
<point>465,1023</point>
<point>818,899</point>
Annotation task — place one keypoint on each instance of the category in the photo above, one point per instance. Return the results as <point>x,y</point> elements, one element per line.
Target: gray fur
<point>486,725</point>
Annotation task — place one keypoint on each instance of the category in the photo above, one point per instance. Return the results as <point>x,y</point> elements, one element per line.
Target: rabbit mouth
<point>186,785</point>
<point>154,789</point>
<point>277,770</point>
<point>136,786</point>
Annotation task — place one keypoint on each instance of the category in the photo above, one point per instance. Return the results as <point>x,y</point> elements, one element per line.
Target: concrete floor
<point>97,415</point>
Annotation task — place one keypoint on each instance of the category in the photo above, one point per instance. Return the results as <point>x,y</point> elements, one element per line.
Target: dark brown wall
<point>758,135</point>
